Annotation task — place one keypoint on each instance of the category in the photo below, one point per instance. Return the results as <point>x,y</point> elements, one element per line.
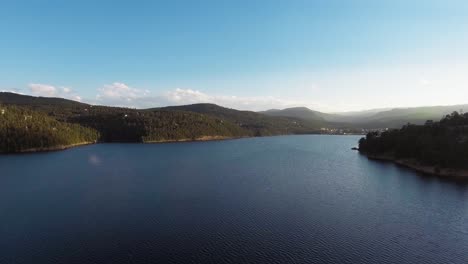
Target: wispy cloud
<point>118,91</point>
<point>121,94</point>
<point>124,95</point>
<point>189,96</point>
<point>42,89</point>
<point>424,82</point>
<point>48,90</point>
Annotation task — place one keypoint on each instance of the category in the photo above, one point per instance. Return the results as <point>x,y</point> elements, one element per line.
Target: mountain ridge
<point>117,124</point>
<point>376,118</point>
<point>308,119</point>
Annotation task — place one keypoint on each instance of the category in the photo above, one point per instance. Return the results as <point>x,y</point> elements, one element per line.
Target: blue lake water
<point>291,199</point>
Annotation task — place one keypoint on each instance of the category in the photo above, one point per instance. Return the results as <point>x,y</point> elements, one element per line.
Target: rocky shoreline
<point>414,165</point>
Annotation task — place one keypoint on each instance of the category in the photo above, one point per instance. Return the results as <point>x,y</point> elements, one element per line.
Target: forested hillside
<point>258,124</point>
<point>443,144</point>
<point>26,130</point>
<point>130,125</point>
<point>108,119</point>
<point>116,124</point>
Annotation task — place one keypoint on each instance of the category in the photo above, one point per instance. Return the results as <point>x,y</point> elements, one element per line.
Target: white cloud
<point>424,82</point>
<point>48,90</point>
<point>120,91</point>
<point>42,89</point>
<point>189,96</point>
<point>121,94</point>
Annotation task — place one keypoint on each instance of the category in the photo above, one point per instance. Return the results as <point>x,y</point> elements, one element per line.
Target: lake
<point>288,199</point>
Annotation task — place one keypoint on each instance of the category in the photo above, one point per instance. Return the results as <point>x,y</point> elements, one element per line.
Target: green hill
<point>33,101</point>
<point>202,121</point>
<point>130,125</point>
<point>22,129</point>
<point>117,124</point>
<point>296,112</point>
<point>190,122</point>
<point>257,123</point>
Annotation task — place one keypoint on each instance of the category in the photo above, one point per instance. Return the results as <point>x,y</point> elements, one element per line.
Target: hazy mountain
<point>354,116</point>
<point>326,119</point>
<point>271,122</point>
<point>375,118</point>
<point>395,118</point>
<point>297,112</point>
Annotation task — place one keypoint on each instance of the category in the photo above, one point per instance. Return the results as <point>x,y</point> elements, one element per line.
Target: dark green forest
<point>22,129</point>
<point>117,124</point>
<point>443,144</point>
<point>256,123</point>
<point>129,125</point>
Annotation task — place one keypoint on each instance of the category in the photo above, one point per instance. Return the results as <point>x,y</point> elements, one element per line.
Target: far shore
<point>64,147</point>
<point>414,165</point>
<point>202,138</point>
<point>162,141</point>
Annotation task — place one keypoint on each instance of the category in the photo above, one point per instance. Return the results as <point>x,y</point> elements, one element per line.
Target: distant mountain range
<point>379,118</point>
<point>297,120</point>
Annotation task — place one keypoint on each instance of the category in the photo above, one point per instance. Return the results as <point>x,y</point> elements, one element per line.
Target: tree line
<point>443,144</point>
<point>22,129</point>
<point>118,124</point>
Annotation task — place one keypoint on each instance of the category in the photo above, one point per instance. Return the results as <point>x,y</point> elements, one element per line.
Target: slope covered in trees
<point>441,144</point>
<point>197,119</point>
<point>116,124</point>
<point>257,123</point>
<point>130,125</point>
<point>26,130</point>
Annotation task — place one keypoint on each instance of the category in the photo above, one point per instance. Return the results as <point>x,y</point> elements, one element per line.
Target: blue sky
<point>327,55</point>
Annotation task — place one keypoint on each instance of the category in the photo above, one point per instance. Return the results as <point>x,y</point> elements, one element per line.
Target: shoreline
<point>49,149</point>
<point>199,139</point>
<point>163,141</point>
<point>425,169</point>
<point>65,147</point>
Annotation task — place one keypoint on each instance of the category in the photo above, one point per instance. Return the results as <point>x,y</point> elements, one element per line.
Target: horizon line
<point>239,109</point>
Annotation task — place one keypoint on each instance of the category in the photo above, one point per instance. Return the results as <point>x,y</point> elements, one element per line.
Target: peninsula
<point>438,148</point>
